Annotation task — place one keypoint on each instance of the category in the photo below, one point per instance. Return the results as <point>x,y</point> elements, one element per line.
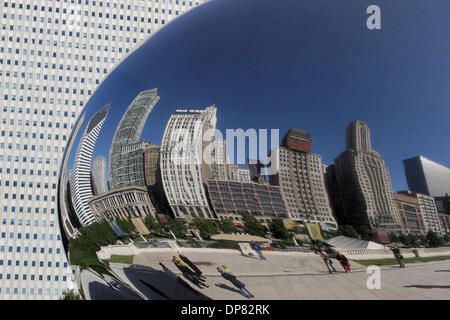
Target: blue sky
<point>311,65</point>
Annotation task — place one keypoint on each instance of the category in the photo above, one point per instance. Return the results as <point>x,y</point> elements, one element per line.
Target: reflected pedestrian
<point>188,263</point>
<point>226,269</point>
<point>398,256</point>
<point>344,262</point>
<point>255,246</point>
<point>327,260</point>
<point>189,274</point>
<point>238,284</point>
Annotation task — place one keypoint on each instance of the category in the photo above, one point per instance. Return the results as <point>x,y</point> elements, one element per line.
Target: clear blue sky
<point>308,64</point>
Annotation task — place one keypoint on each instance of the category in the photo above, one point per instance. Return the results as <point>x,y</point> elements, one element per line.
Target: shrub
<point>278,229</point>
<point>253,226</point>
<point>227,226</point>
<point>434,240</point>
<point>206,227</point>
<point>71,295</point>
<point>348,231</point>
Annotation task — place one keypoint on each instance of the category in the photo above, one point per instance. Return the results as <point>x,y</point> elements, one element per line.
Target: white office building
<point>53,55</point>
<point>183,169</point>
<point>239,174</point>
<point>81,185</point>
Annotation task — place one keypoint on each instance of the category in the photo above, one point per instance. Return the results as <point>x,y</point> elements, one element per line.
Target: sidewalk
<point>289,276</point>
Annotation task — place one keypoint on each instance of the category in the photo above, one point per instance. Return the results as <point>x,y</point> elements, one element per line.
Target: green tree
<point>206,227</point>
<point>253,226</point>
<point>153,224</point>
<point>227,226</point>
<point>83,248</point>
<point>365,232</point>
<point>126,225</point>
<point>434,240</point>
<point>279,231</point>
<point>348,231</point>
<point>393,237</point>
<point>178,228</point>
<point>71,295</point>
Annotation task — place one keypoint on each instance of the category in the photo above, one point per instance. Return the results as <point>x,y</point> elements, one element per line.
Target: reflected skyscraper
<point>126,156</point>
<point>301,178</point>
<point>99,176</point>
<point>82,187</point>
<point>67,217</point>
<point>220,160</point>
<point>364,183</point>
<point>427,177</point>
<point>182,167</point>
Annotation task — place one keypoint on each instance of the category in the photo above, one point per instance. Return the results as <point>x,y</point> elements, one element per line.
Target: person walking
<point>344,262</point>
<point>226,269</point>
<point>189,274</point>
<point>238,284</point>
<point>189,264</point>
<point>255,246</point>
<point>327,260</point>
<point>398,256</point>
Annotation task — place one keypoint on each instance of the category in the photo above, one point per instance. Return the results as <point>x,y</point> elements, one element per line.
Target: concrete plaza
<point>286,276</point>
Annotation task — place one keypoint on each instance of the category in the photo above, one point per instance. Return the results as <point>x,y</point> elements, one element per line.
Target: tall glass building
<point>53,55</point>
<point>427,177</point>
<point>126,157</point>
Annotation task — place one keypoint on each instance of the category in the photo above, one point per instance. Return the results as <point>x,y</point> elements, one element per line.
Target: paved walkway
<point>282,276</point>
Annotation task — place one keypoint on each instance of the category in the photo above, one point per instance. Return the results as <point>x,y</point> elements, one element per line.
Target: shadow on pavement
<point>100,291</point>
<point>155,284</point>
<point>224,286</point>
<point>422,286</point>
<point>442,271</point>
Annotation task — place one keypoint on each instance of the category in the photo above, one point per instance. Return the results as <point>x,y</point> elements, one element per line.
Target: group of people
<point>195,275</point>
<point>343,260</point>
<point>190,270</point>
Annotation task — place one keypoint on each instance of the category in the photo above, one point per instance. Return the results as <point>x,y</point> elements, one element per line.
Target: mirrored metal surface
<point>152,141</point>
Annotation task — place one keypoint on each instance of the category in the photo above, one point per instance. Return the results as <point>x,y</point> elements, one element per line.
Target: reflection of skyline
<point>81,186</point>
<point>126,153</point>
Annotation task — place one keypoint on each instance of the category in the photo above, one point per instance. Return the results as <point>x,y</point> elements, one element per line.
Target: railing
<point>293,249</point>
<point>351,252</point>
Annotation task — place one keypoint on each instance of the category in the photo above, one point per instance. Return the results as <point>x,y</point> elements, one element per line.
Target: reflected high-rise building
<point>126,156</point>
<point>239,174</point>
<point>182,167</point>
<point>81,185</point>
<point>256,169</point>
<point>219,165</point>
<point>364,183</point>
<point>428,209</point>
<point>153,180</point>
<point>301,179</point>
<point>411,216</point>
<point>427,177</point>
<point>99,176</point>
<point>67,217</point>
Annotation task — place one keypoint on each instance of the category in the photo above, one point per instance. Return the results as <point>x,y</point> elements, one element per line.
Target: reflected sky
<point>310,65</point>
